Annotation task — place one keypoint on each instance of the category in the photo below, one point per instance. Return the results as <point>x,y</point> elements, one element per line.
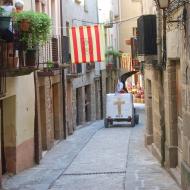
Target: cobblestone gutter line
<point>62,173</point>
<point>95,173</point>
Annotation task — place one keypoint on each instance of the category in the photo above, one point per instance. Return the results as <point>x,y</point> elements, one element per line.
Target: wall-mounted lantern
<point>163,4</point>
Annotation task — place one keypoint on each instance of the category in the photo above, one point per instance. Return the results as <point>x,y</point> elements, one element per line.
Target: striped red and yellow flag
<point>87,44</point>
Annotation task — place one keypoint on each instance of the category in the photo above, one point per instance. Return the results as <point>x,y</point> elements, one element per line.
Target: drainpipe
<point>161,48</point>
<point>163,130</point>
<point>101,82</point>
<point>63,74</point>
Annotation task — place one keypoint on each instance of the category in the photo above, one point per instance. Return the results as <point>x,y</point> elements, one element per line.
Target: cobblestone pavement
<point>95,158</point>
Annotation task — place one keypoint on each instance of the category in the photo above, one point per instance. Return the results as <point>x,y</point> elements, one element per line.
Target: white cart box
<point>120,107</point>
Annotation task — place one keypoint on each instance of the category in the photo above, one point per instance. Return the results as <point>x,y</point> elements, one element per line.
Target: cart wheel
<point>106,123</point>
<point>136,119</point>
<point>133,122</point>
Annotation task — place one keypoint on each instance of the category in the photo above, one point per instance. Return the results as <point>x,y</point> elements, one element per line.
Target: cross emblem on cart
<point>119,103</point>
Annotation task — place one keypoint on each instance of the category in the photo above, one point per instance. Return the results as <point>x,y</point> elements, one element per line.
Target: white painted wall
<point>73,10</point>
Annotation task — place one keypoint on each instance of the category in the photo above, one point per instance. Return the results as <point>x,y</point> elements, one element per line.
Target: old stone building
<point>31,101</point>
<point>113,62</point>
<point>129,12</point>
<point>84,82</point>
<point>17,108</point>
<point>49,125</point>
<point>167,94</point>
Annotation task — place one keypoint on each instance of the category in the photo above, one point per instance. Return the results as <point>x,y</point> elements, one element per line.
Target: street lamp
<point>163,4</point>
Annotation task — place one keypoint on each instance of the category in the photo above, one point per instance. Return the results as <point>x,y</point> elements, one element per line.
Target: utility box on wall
<point>147,35</point>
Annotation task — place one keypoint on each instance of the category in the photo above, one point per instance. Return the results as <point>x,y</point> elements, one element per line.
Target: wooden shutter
<point>55,55</point>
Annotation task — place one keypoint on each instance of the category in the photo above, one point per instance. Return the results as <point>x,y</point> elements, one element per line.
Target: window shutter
<point>55,50</point>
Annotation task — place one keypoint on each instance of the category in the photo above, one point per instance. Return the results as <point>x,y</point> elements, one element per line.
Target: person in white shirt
<point>8,7</point>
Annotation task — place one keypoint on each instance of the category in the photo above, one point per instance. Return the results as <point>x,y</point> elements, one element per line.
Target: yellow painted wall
<point>23,88</point>
<point>128,9</point>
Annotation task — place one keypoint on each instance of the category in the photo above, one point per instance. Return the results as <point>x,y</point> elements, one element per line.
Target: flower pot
<point>4,23</point>
<point>12,62</point>
<point>24,25</point>
<point>30,59</point>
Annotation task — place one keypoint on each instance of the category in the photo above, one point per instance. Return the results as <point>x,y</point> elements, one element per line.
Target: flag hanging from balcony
<point>87,44</point>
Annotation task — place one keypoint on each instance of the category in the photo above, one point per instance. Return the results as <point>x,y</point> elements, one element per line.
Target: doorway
<point>56,111</point>
<point>43,117</point>
<point>97,97</point>
<point>79,106</point>
<point>8,135</point>
<point>88,103</point>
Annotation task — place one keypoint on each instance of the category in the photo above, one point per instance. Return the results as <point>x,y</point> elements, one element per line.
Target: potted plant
<point>112,56</point>
<point>34,29</point>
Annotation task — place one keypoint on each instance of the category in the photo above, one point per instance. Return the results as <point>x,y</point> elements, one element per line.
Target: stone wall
<point>51,113</point>
<point>153,109</point>
<point>171,117</point>
<point>84,93</point>
<point>103,95</point>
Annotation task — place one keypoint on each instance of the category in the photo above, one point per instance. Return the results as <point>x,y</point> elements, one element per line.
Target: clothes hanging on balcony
<point>8,34</point>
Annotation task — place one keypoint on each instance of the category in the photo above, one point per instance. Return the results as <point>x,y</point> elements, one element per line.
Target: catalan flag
<point>87,44</point>
<point>126,61</point>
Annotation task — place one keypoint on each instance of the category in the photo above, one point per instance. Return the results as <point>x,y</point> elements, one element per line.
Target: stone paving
<point>95,158</point>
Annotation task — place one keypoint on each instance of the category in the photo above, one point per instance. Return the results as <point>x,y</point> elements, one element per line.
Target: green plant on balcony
<point>1,11</point>
<point>50,64</point>
<point>113,53</point>
<point>34,27</point>
<point>112,56</point>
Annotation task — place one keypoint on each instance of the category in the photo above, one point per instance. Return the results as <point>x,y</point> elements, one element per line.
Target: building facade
<point>84,82</point>
<point>17,107</point>
<point>129,11</point>
<point>31,101</point>
<point>167,93</point>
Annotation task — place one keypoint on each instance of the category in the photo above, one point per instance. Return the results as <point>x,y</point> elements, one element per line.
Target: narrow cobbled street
<point>97,158</point>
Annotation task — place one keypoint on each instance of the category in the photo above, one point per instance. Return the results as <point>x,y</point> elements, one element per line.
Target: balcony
<point>21,41</point>
<point>16,60</point>
<point>53,57</point>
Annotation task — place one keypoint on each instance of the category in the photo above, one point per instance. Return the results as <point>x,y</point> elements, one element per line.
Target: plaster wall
<point>73,11</point>
<point>130,10</point>
<point>23,88</point>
